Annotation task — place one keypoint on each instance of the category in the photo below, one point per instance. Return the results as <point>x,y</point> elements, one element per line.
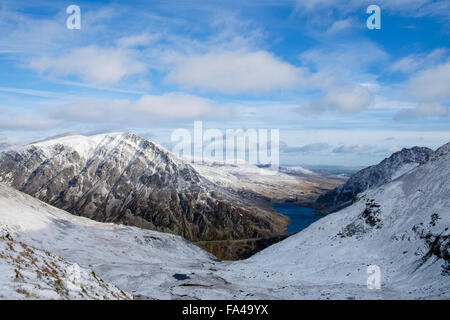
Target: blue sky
<point>338,92</point>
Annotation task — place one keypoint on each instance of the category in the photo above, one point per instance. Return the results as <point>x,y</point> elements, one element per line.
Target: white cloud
<point>423,111</point>
<point>147,109</point>
<point>308,5</point>
<point>312,147</point>
<point>31,92</point>
<point>432,84</point>
<point>346,148</point>
<point>347,60</point>
<point>178,105</point>
<point>406,64</point>
<point>89,110</point>
<point>22,33</point>
<point>415,62</point>
<point>45,32</point>
<point>348,100</point>
<point>25,124</point>
<point>236,72</point>
<point>92,64</point>
<point>414,8</point>
<point>343,73</point>
<point>143,39</point>
<point>340,25</point>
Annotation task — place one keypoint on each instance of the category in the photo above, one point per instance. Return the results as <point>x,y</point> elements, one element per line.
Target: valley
<point>287,185</point>
<point>126,179</point>
<point>400,226</point>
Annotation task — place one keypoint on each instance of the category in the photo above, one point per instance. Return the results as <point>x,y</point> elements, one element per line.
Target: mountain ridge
<point>121,177</point>
<point>401,227</point>
<point>371,177</point>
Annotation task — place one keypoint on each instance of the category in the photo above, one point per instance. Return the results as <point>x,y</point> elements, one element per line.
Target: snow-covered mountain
<point>27,269</point>
<point>287,184</point>
<point>137,260</point>
<point>31,273</point>
<point>401,227</point>
<point>124,178</point>
<point>372,177</point>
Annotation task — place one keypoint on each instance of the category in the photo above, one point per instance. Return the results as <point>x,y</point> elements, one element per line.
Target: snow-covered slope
<point>372,177</point>
<point>124,178</point>
<point>30,273</point>
<point>139,261</point>
<point>288,184</point>
<point>402,227</point>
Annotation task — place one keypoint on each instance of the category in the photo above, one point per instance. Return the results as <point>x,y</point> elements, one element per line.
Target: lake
<point>301,217</point>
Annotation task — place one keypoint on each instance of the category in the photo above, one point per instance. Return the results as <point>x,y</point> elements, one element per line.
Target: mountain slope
<point>402,227</point>
<point>146,263</point>
<point>138,260</point>
<point>124,178</point>
<point>30,273</point>
<point>372,177</point>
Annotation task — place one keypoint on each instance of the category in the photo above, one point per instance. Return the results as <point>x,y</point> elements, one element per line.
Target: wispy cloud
<point>431,87</point>
<point>148,109</point>
<point>25,124</point>
<point>411,8</point>
<point>415,62</point>
<point>423,111</point>
<point>313,147</point>
<point>346,148</point>
<point>31,92</point>
<point>92,64</point>
<point>347,100</point>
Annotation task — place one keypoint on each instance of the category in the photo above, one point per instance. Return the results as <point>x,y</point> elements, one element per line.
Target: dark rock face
<point>368,219</point>
<point>370,178</point>
<point>438,245</point>
<point>124,178</point>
